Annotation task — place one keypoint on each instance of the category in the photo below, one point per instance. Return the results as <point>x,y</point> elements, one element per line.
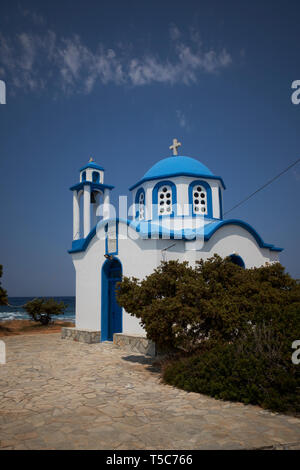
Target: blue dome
<point>177,166</point>
<point>174,166</point>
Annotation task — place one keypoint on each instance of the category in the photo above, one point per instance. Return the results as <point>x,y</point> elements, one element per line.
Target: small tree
<point>42,309</point>
<point>3,293</point>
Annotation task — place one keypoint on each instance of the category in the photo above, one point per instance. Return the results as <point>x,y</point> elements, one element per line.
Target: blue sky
<point>118,80</point>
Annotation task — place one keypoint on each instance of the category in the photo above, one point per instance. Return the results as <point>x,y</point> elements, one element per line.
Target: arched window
<point>200,198</point>
<point>142,205</point>
<point>140,200</point>
<point>236,259</point>
<point>96,176</point>
<point>83,175</point>
<point>164,200</point>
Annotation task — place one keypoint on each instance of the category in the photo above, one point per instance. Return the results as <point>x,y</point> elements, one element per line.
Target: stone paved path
<point>59,394</point>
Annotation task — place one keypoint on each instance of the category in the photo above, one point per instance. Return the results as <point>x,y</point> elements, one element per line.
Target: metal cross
<point>174,146</point>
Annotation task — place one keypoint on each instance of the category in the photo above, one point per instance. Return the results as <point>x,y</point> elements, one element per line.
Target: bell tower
<point>95,193</point>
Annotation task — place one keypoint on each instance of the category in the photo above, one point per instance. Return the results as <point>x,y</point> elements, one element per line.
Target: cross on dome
<point>174,146</point>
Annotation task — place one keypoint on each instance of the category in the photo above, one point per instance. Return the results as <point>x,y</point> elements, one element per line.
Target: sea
<point>16,312</point>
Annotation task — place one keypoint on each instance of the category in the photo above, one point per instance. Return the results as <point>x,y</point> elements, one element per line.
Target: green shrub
<point>253,369</point>
<point>42,309</point>
<point>179,306</point>
<point>238,324</point>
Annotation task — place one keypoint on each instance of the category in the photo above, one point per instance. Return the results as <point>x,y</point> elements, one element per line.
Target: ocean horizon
<point>16,312</point>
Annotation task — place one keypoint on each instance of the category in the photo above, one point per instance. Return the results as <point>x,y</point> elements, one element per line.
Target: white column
<point>106,204</point>
<point>86,210</point>
<point>76,216</point>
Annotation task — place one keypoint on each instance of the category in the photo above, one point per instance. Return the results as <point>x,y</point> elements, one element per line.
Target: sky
<point>118,81</point>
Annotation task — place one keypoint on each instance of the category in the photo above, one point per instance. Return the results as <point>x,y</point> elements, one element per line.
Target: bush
<point>42,309</point>
<point>235,325</point>
<point>254,369</point>
<point>180,306</point>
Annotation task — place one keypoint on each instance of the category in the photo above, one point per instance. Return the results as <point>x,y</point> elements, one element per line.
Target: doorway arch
<point>111,312</point>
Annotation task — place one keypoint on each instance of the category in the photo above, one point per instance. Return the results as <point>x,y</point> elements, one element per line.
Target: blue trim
<point>79,186</point>
<point>208,198</point>
<point>92,165</point>
<point>146,228</point>
<point>172,175</point>
<point>137,205</point>
<point>83,176</point>
<point>236,259</point>
<point>106,230</point>
<point>105,300</point>
<point>155,199</point>
<point>220,203</point>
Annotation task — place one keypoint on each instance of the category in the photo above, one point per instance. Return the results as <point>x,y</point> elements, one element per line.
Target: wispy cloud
<point>31,61</point>
<point>33,16</point>
<point>174,32</point>
<point>296,174</point>
<point>182,120</point>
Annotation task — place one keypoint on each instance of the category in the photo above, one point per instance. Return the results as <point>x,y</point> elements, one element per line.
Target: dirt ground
<point>30,327</point>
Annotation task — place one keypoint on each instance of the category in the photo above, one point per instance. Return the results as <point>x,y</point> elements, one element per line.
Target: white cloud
<point>296,174</point>
<point>28,50</point>
<point>182,120</point>
<point>174,32</point>
<point>36,18</point>
<point>31,61</point>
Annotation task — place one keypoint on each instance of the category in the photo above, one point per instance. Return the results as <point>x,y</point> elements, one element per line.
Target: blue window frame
<point>84,176</point>
<point>164,199</point>
<point>96,176</point>
<point>140,204</point>
<point>200,199</point>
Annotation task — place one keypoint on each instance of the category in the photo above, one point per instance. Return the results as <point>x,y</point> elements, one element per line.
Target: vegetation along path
<point>58,394</point>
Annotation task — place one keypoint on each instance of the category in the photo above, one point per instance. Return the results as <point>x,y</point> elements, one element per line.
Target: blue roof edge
<point>90,183</point>
<point>209,230</point>
<point>170,175</point>
<point>92,165</point>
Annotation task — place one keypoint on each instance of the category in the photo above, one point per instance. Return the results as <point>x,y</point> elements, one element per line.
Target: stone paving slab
<point>57,394</point>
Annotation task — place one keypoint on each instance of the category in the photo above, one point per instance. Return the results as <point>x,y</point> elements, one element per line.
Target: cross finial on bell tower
<point>174,146</point>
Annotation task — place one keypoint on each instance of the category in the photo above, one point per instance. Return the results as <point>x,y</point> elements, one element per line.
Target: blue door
<point>115,311</point>
<point>111,314</point>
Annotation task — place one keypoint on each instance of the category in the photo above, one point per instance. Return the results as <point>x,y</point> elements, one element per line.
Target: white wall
<point>88,266</point>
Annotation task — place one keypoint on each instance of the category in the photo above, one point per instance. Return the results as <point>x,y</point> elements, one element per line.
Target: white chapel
<point>176,213</point>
